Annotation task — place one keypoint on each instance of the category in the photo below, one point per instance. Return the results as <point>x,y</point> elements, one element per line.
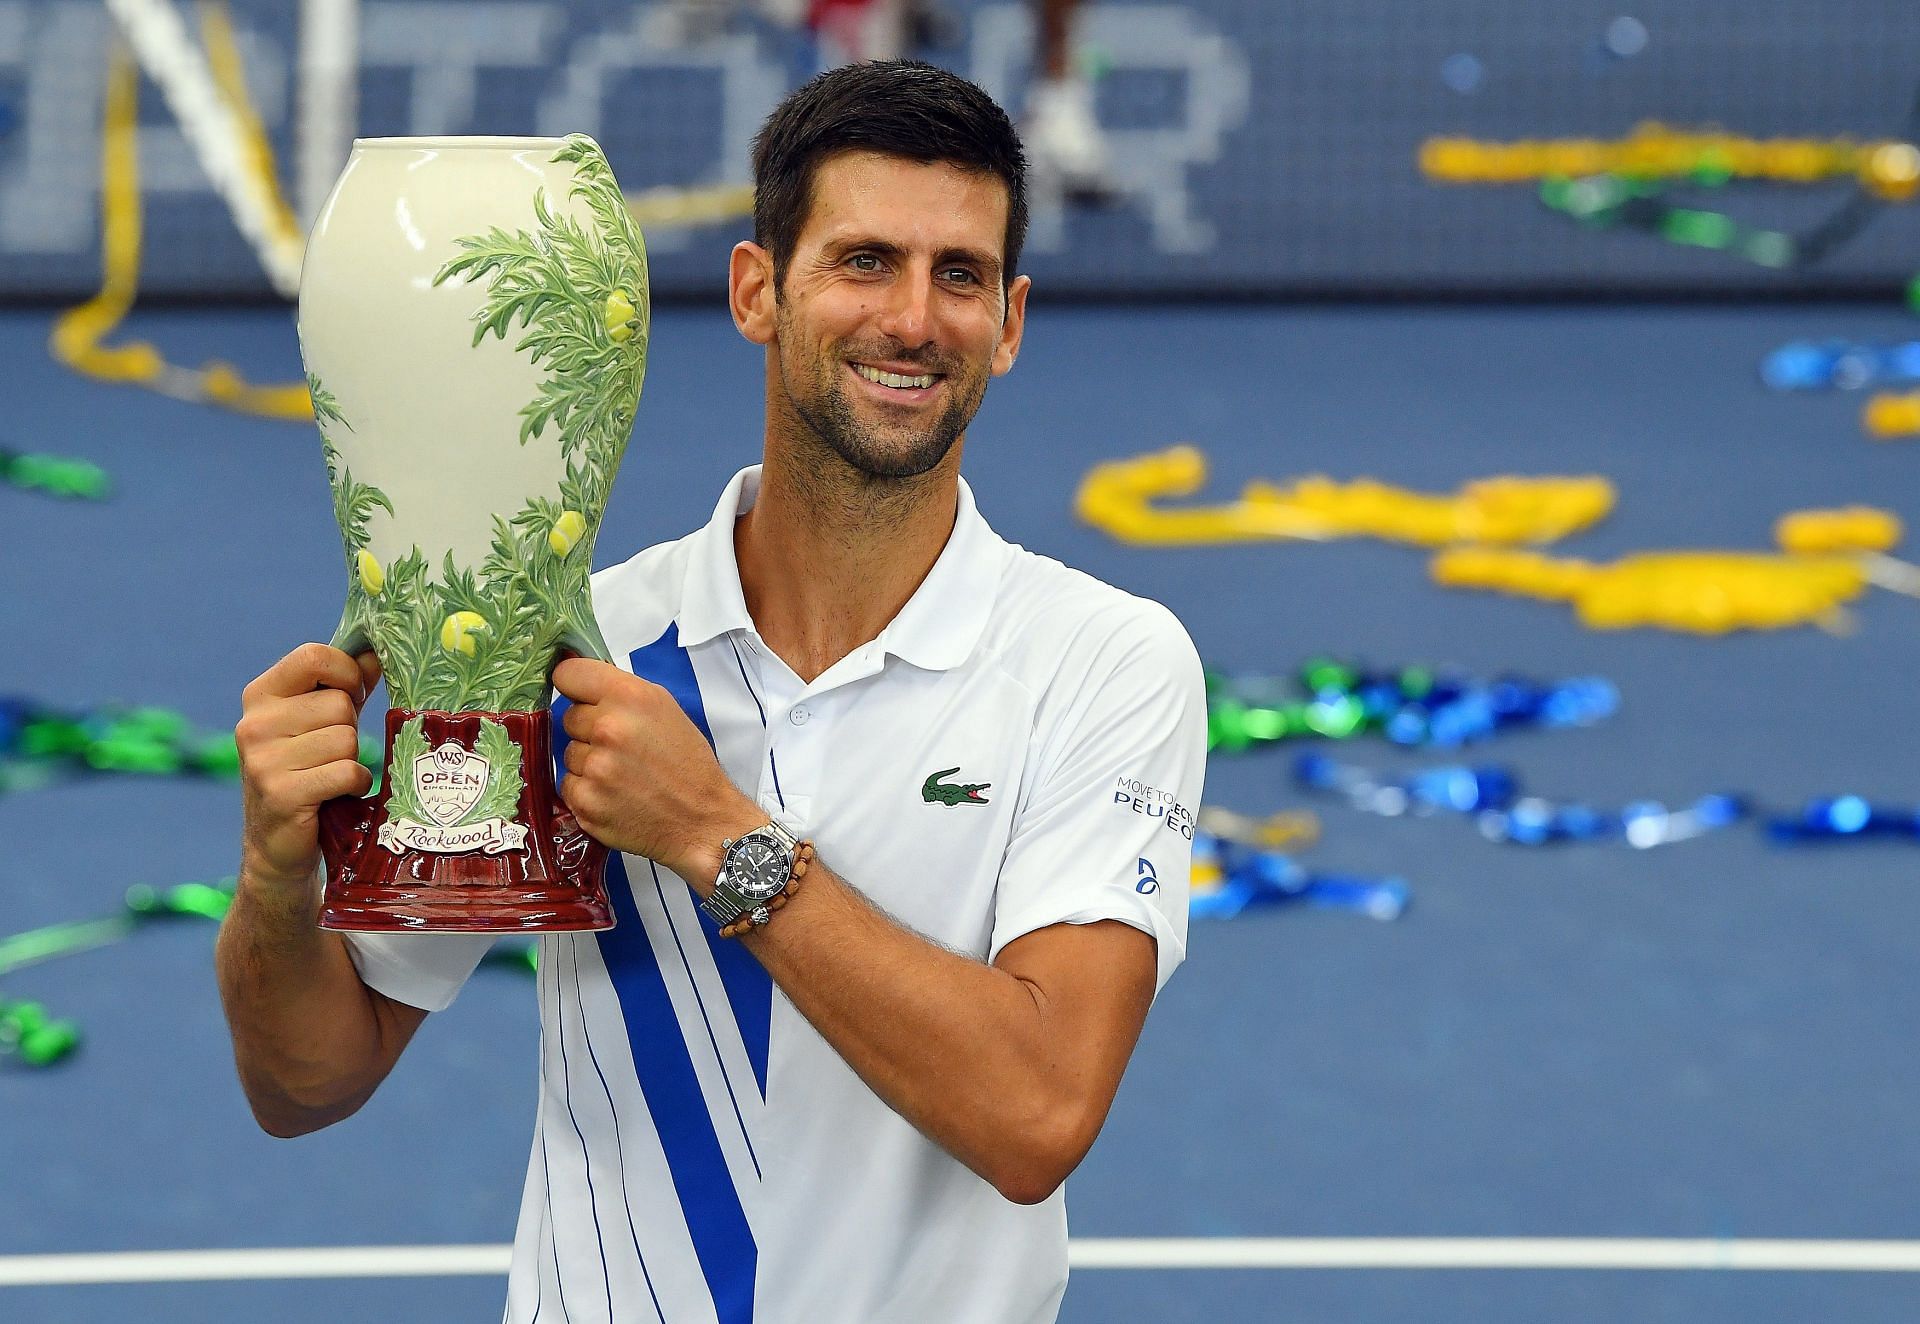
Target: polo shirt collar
<point>711,603</point>
<point>947,614</point>
<point>936,630</point>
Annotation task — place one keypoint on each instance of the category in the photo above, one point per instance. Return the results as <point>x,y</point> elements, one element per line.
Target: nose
<point>908,313</point>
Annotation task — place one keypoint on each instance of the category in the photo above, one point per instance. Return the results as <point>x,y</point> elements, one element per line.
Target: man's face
<point>892,313</point>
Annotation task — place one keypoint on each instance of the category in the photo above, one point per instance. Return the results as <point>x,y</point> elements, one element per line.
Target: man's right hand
<point>299,741</point>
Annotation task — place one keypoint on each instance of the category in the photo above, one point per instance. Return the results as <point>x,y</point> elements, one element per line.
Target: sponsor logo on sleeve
<point>1137,797</point>
<point>1146,882</point>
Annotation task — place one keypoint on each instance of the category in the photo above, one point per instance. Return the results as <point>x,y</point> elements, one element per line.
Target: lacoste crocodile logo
<point>937,792</point>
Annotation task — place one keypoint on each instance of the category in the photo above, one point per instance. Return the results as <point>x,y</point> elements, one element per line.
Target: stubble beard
<point>828,413</point>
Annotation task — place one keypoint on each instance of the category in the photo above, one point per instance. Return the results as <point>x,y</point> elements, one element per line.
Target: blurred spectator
<point>1065,146</point>
<point>852,30</point>
<point>1067,150</point>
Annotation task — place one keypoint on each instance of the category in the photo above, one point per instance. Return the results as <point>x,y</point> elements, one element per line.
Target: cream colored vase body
<point>473,316</point>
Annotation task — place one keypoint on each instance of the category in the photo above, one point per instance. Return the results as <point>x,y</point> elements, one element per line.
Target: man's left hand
<point>641,778</point>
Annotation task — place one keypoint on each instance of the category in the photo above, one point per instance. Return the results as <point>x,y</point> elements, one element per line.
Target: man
<point>863,1108</point>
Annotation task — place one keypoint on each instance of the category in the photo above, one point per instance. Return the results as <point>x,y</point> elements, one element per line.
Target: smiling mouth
<point>894,380</point>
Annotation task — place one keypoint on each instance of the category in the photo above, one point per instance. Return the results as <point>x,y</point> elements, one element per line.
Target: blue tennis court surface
<point>1708,1040</point>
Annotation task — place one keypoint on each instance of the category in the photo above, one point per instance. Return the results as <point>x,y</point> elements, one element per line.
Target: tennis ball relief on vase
<point>473,317</point>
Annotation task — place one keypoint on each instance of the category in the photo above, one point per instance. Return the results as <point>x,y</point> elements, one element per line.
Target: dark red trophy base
<point>555,883</point>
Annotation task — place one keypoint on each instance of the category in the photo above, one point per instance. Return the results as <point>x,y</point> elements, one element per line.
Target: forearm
<point>307,1033</point>
<point>959,1048</point>
<point>1010,1067</point>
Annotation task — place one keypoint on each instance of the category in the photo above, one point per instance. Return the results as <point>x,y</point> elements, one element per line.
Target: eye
<point>864,262</point>
<point>961,276</point>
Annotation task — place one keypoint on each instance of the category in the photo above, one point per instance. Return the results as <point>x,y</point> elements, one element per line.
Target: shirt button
<point>799,716</point>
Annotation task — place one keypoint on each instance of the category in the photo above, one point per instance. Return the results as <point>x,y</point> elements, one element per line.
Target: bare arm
<point>1010,1067</point>
<point>310,1040</point>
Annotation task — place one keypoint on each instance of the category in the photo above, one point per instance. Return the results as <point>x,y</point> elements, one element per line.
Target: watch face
<point>757,868</point>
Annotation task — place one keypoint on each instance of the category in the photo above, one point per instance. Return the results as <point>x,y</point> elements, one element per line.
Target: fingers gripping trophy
<point>473,318</point>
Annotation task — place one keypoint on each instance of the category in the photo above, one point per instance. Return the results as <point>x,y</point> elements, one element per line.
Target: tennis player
<point>902,811</point>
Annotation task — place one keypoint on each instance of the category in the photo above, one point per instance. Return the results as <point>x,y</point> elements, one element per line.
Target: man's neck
<point>827,560</point>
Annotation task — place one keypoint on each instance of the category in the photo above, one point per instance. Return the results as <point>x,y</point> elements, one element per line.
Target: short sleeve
<point>424,970</point>
<point>1105,825</point>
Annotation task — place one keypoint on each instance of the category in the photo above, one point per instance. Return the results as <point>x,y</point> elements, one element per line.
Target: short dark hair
<point>901,108</point>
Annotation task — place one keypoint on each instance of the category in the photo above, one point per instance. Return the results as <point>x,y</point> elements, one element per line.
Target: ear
<point>750,291</point>
<point>1012,327</point>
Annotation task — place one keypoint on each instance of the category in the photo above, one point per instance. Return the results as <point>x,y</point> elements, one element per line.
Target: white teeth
<point>893,379</point>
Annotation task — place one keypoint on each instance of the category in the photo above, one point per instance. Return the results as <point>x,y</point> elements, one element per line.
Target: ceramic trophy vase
<point>473,317</point>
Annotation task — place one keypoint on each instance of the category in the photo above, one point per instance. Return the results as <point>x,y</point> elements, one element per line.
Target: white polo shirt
<point>701,1153</point>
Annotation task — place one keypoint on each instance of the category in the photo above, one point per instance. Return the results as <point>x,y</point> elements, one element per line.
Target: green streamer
<point>30,1036</point>
<point>37,945</point>
<point>55,475</point>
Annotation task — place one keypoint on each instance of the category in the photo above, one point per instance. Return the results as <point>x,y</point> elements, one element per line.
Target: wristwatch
<point>757,868</point>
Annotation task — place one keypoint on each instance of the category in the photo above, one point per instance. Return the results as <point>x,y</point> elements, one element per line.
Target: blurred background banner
<point>1260,147</point>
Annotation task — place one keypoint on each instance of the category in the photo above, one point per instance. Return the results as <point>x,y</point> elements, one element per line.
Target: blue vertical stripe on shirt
<point>749,987</point>
<point>711,1204</point>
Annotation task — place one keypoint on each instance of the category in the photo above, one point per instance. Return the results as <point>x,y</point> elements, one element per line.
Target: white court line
<point>182,1266</point>
<point>1491,1253</point>
<point>1084,1253</point>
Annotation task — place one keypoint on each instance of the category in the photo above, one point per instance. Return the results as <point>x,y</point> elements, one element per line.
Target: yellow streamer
<point>1696,592</point>
<point>223,56</point>
<point>1888,168</point>
<point>1830,532</point>
<point>1829,557</point>
<point>1892,414</point>
<point>78,335</point>
<point>668,208</point>
<point>1290,828</point>
<point>1119,498</point>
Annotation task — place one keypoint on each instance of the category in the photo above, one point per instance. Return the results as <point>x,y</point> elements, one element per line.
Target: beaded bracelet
<point>803,855</point>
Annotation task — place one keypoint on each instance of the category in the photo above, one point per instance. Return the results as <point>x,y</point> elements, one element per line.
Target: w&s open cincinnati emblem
<point>449,781</point>
<point>452,799</point>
